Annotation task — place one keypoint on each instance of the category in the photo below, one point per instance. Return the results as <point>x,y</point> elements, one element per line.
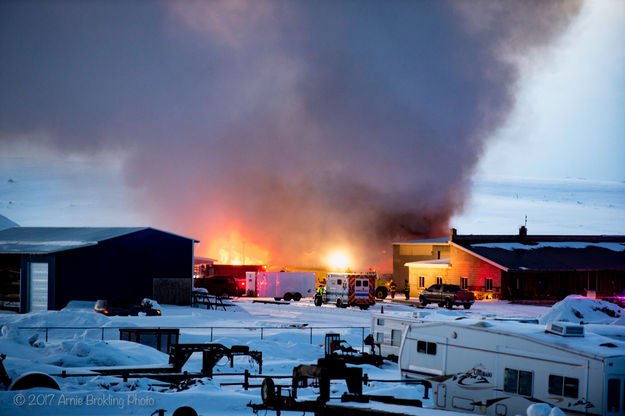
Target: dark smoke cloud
<point>302,126</point>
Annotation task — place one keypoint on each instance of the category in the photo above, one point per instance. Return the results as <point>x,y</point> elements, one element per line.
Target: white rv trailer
<point>388,330</point>
<point>497,368</point>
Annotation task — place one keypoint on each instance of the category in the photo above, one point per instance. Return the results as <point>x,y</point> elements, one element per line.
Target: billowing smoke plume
<point>285,128</point>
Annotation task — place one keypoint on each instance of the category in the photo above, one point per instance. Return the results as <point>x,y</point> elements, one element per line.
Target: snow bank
<point>543,409</point>
<point>580,309</point>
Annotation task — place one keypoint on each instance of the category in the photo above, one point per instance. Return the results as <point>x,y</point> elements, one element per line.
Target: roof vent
<point>565,329</point>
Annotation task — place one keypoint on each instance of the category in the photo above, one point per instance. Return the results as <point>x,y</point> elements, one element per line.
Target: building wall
<point>122,268</point>
<point>477,271</point>
<point>409,252</point>
<point>430,274</point>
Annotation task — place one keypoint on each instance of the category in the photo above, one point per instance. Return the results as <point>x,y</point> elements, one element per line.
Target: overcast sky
<point>275,125</point>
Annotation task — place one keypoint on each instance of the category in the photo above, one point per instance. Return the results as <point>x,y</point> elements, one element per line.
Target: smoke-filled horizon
<point>281,131</point>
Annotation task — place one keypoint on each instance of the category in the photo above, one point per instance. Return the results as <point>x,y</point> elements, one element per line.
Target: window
<point>358,283</point>
<point>614,387</point>
<point>421,281</point>
<point>488,284</point>
<point>380,322</point>
<point>395,337</point>
<point>365,283</point>
<point>464,282</point>
<point>563,386</point>
<point>339,282</point>
<point>439,280</point>
<point>379,337</point>
<point>517,382</point>
<point>424,347</point>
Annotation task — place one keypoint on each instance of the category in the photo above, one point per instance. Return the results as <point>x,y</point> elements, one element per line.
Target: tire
<point>364,307</point>
<point>224,294</point>
<point>287,297</point>
<point>381,293</point>
<point>339,303</point>
<point>268,390</point>
<point>318,300</point>
<point>297,297</point>
<point>449,304</point>
<point>423,301</point>
<point>467,305</point>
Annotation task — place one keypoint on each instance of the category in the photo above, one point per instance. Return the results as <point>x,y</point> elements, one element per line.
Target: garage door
<point>37,287</point>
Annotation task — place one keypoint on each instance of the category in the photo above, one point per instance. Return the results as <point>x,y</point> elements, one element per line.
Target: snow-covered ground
<point>292,334</point>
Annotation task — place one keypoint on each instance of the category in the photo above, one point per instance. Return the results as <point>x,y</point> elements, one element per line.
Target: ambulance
<point>349,289</point>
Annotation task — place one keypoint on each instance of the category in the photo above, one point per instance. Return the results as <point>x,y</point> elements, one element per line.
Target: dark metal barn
<point>45,267</point>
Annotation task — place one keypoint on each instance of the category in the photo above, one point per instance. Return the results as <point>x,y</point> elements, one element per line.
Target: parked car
<point>221,285</point>
<point>116,307</point>
<point>447,295</point>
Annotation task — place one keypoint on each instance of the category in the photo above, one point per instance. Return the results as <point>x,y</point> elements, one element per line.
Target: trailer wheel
<point>185,411</point>
<point>297,297</point>
<point>339,303</point>
<point>364,307</point>
<point>287,296</point>
<point>268,391</point>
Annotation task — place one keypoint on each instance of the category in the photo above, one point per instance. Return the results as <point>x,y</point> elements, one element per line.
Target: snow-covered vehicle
<point>349,289</point>
<point>281,285</point>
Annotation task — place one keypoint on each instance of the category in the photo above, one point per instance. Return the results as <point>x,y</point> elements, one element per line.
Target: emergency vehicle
<point>349,289</point>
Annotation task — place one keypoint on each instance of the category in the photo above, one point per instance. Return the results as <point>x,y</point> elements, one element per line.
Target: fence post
<point>362,348</point>
<point>311,334</point>
<point>46,334</point>
<point>261,333</point>
<point>211,334</point>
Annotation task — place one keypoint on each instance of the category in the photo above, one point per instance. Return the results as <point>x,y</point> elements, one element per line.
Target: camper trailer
<point>388,331</point>
<point>497,368</point>
<point>350,289</point>
<point>281,285</point>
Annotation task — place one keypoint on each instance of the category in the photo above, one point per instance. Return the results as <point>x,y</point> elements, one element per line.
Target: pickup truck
<point>447,295</point>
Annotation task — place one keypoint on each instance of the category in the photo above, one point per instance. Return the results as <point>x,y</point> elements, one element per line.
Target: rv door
<point>441,395</point>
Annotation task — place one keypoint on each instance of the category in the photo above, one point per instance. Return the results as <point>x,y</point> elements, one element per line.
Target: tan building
<point>518,266</point>
<point>414,251</point>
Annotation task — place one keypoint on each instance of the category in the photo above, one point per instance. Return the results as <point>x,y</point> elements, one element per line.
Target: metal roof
<point>574,256</point>
<point>442,240</point>
<point>43,240</point>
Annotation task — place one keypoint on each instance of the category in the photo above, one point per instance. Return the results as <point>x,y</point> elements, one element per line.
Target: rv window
<point>614,387</point>
<point>556,384</point>
<point>525,383</point>
<point>395,337</point>
<point>563,386</point>
<point>510,380</point>
<point>380,322</point>
<point>358,283</point>
<point>426,347</point>
<point>571,387</point>
<point>518,382</point>
<point>379,337</point>
<point>365,283</point>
